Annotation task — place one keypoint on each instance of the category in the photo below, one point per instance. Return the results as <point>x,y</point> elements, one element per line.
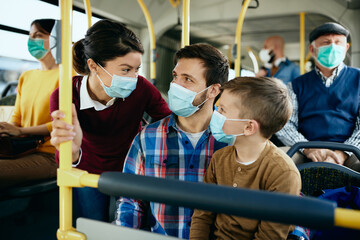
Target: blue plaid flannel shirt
<point>164,151</point>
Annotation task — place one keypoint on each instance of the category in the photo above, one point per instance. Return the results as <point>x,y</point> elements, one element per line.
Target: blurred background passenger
<point>31,115</point>
<point>276,64</point>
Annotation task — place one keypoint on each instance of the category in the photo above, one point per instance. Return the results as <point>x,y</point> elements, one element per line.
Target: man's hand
<point>322,155</point>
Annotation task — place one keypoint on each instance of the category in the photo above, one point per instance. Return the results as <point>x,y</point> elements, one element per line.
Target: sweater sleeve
<point>287,182</point>
<point>156,107</point>
<point>202,221</point>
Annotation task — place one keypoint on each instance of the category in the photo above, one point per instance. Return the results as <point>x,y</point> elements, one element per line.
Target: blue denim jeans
<point>92,204</point>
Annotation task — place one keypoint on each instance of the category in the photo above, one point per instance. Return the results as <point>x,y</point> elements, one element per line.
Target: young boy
<point>250,111</point>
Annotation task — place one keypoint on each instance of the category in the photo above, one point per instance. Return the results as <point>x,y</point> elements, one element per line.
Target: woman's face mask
<point>36,48</point>
<point>216,127</point>
<point>330,56</point>
<point>181,99</point>
<point>121,87</point>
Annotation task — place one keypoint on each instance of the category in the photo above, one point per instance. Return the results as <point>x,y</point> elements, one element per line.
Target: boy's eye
<point>188,79</point>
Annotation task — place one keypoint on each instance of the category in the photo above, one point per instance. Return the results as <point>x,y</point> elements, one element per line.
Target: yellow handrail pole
<point>238,36</point>
<point>65,97</point>
<point>302,43</point>
<point>347,218</point>
<point>88,11</point>
<point>152,39</point>
<point>229,54</point>
<point>185,36</point>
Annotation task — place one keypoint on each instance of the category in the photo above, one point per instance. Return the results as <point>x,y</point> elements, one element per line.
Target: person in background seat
<point>276,64</point>
<point>326,100</point>
<point>31,115</point>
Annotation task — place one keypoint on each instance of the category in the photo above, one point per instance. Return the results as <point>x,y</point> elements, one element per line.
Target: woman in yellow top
<point>31,115</point>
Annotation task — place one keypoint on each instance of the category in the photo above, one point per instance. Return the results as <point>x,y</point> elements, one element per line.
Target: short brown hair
<point>215,63</point>
<point>263,99</point>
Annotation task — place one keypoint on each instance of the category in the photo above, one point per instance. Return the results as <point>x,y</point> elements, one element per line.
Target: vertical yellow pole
<point>88,11</point>
<point>185,36</point>
<point>302,43</point>
<point>229,54</point>
<point>65,87</point>
<point>238,36</point>
<point>152,39</point>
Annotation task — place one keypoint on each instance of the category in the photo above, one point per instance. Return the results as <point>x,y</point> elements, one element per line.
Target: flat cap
<point>328,28</point>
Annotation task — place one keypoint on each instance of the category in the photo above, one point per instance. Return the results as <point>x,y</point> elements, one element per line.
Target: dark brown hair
<point>265,100</point>
<point>44,25</point>
<point>215,63</point>
<point>104,41</point>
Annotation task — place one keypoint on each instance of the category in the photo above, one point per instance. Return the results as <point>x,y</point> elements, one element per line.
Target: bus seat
<point>317,176</point>
<point>29,189</point>
<point>8,100</point>
<point>6,113</point>
<point>99,230</point>
<point>10,89</point>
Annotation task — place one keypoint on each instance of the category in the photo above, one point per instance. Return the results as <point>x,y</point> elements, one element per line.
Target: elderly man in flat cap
<point>326,100</point>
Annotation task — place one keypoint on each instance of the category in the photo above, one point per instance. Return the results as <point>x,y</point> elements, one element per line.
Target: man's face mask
<point>181,99</point>
<point>36,48</point>
<point>216,126</point>
<point>330,56</point>
<point>121,87</point>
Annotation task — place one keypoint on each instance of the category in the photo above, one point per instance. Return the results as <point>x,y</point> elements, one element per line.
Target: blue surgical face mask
<point>181,99</point>
<point>36,48</point>
<point>216,126</point>
<point>121,87</point>
<point>330,56</point>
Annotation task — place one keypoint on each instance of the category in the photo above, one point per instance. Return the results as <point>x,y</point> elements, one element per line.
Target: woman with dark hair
<point>110,100</point>
<point>31,114</point>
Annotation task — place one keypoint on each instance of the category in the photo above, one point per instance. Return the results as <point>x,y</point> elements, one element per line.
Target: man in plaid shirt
<point>179,146</point>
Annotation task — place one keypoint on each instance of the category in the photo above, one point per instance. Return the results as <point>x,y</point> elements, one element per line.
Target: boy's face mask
<point>121,87</point>
<point>181,99</point>
<point>36,48</point>
<point>216,126</point>
<point>330,56</point>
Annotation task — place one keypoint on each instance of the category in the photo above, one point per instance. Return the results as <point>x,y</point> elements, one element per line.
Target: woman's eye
<point>188,79</point>
<point>126,70</point>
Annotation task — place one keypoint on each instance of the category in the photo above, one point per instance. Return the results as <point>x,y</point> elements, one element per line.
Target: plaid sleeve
<point>130,211</point>
<point>289,134</point>
<point>355,137</point>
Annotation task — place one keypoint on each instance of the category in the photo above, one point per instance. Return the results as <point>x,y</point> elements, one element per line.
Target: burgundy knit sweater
<point>108,134</point>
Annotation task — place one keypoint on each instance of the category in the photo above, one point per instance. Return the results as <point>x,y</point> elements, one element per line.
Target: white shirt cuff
<point>79,160</point>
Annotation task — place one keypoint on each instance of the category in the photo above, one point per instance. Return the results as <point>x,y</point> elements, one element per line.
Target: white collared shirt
<point>86,101</point>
